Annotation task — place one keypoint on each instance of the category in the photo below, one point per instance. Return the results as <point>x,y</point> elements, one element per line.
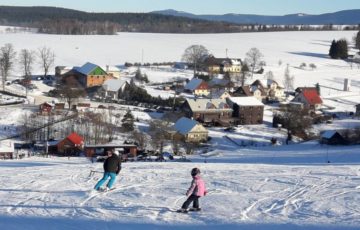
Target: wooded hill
<point>55,20</point>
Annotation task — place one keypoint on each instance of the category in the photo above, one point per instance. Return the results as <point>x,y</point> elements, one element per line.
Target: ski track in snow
<point>150,192</point>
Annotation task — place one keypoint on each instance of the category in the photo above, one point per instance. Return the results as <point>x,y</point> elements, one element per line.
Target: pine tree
<point>357,40</point>
<point>332,50</point>
<point>128,121</point>
<point>317,86</point>
<point>342,49</point>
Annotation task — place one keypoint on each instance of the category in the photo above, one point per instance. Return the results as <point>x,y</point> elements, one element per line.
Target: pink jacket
<point>197,187</point>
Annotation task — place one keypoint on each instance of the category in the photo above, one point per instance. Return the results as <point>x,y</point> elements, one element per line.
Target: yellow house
<point>190,130</point>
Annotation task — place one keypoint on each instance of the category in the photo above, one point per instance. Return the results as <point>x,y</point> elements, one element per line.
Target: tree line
<point>55,20</point>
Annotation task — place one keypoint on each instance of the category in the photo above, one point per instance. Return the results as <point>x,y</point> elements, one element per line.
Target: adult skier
<point>112,167</point>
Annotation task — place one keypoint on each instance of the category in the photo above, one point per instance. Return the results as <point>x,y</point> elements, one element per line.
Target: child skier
<point>196,190</point>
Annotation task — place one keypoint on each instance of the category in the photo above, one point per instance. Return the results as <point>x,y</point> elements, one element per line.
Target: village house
<point>88,75</point>
<point>113,71</point>
<point>221,83</point>
<point>332,137</point>
<point>6,150</point>
<point>242,91</point>
<point>263,90</point>
<point>246,110</point>
<point>220,94</point>
<point>125,150</point>
<point>222,65</point>
<point>209,111</point>
<point>197,87</point>
<point>72,145</point>
<point>190,130</point>
<point>45,108</point>
<point>112,88</point>
<point>309,97</point>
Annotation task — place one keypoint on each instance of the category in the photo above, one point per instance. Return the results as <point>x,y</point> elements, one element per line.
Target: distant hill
<point>346,17</point>
<point>66,21</point>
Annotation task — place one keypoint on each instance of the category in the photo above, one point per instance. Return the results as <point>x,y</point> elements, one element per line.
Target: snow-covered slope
<point>55,193</point>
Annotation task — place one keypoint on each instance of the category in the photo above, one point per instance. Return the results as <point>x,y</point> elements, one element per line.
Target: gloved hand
<point>205,193</point>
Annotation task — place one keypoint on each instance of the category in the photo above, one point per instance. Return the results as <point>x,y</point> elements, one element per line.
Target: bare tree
<point>253,59</point>
<point>288,80</point>
<point>194,55</point>
<point>159,131</point>
<point>70,90</point>
<point>7,56</point>
<point>47,58</point>
<point>244,73</point>
<point>26,60</point>
<point>140,138</point>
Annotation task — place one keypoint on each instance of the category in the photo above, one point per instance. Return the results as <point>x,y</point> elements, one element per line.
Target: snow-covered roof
<point>246,101</point>
<point>203,104</point>
<point>87,68</point>
<point>328,134</point>
<point>111,68</point>
<point>184,125</point>
<point>193,84</point>
<point>114,84</point>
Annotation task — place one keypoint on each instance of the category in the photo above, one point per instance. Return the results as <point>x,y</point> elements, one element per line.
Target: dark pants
<point>192,198</point>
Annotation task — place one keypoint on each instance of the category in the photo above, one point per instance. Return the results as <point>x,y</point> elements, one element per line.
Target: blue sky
<point>267,7</point>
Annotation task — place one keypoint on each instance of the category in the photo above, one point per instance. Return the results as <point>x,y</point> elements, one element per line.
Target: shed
<point>332,137</point>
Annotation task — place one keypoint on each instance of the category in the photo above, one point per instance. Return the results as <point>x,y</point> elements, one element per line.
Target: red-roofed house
<point>71,145</point>
<point>310,98</point>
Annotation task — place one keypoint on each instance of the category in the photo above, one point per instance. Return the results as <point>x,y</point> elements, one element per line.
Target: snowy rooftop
<point>246,101</point>
<point>207,104</point>
<point>114,84</point>
<point>185,125</point>
<point>193,84</point>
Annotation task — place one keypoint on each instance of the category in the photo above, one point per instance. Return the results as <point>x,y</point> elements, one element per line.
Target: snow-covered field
<point>291,48</point>
<point>278,189</point>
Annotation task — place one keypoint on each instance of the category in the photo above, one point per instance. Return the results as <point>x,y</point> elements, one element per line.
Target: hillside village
<point>87,109</point>
<point>257,123</point>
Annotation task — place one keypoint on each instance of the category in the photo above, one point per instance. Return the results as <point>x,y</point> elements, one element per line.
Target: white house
<point>112,87</point>
<point>6,150</point>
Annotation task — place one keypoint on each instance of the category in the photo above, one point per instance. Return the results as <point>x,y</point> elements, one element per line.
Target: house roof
<point>244,90</point>
<point>208,104</point>
<point>75,138</point>
<point>311,96</point>
<point>87,68</point>
<point>114,84</point>
<point>211,60</point>
<point>184,125</point>
<point>193,84</point>
<point>328,134</point>
<point>246,101</point>
<point>219,94</point>
<point>219,81</point>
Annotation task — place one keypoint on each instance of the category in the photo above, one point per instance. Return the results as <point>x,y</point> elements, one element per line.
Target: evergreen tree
<point>357,40</point>
<point>317,86</point>
<point>332,49</point>
<point>339,49</point>
<point>128,121</point>
<point>342,49</point>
